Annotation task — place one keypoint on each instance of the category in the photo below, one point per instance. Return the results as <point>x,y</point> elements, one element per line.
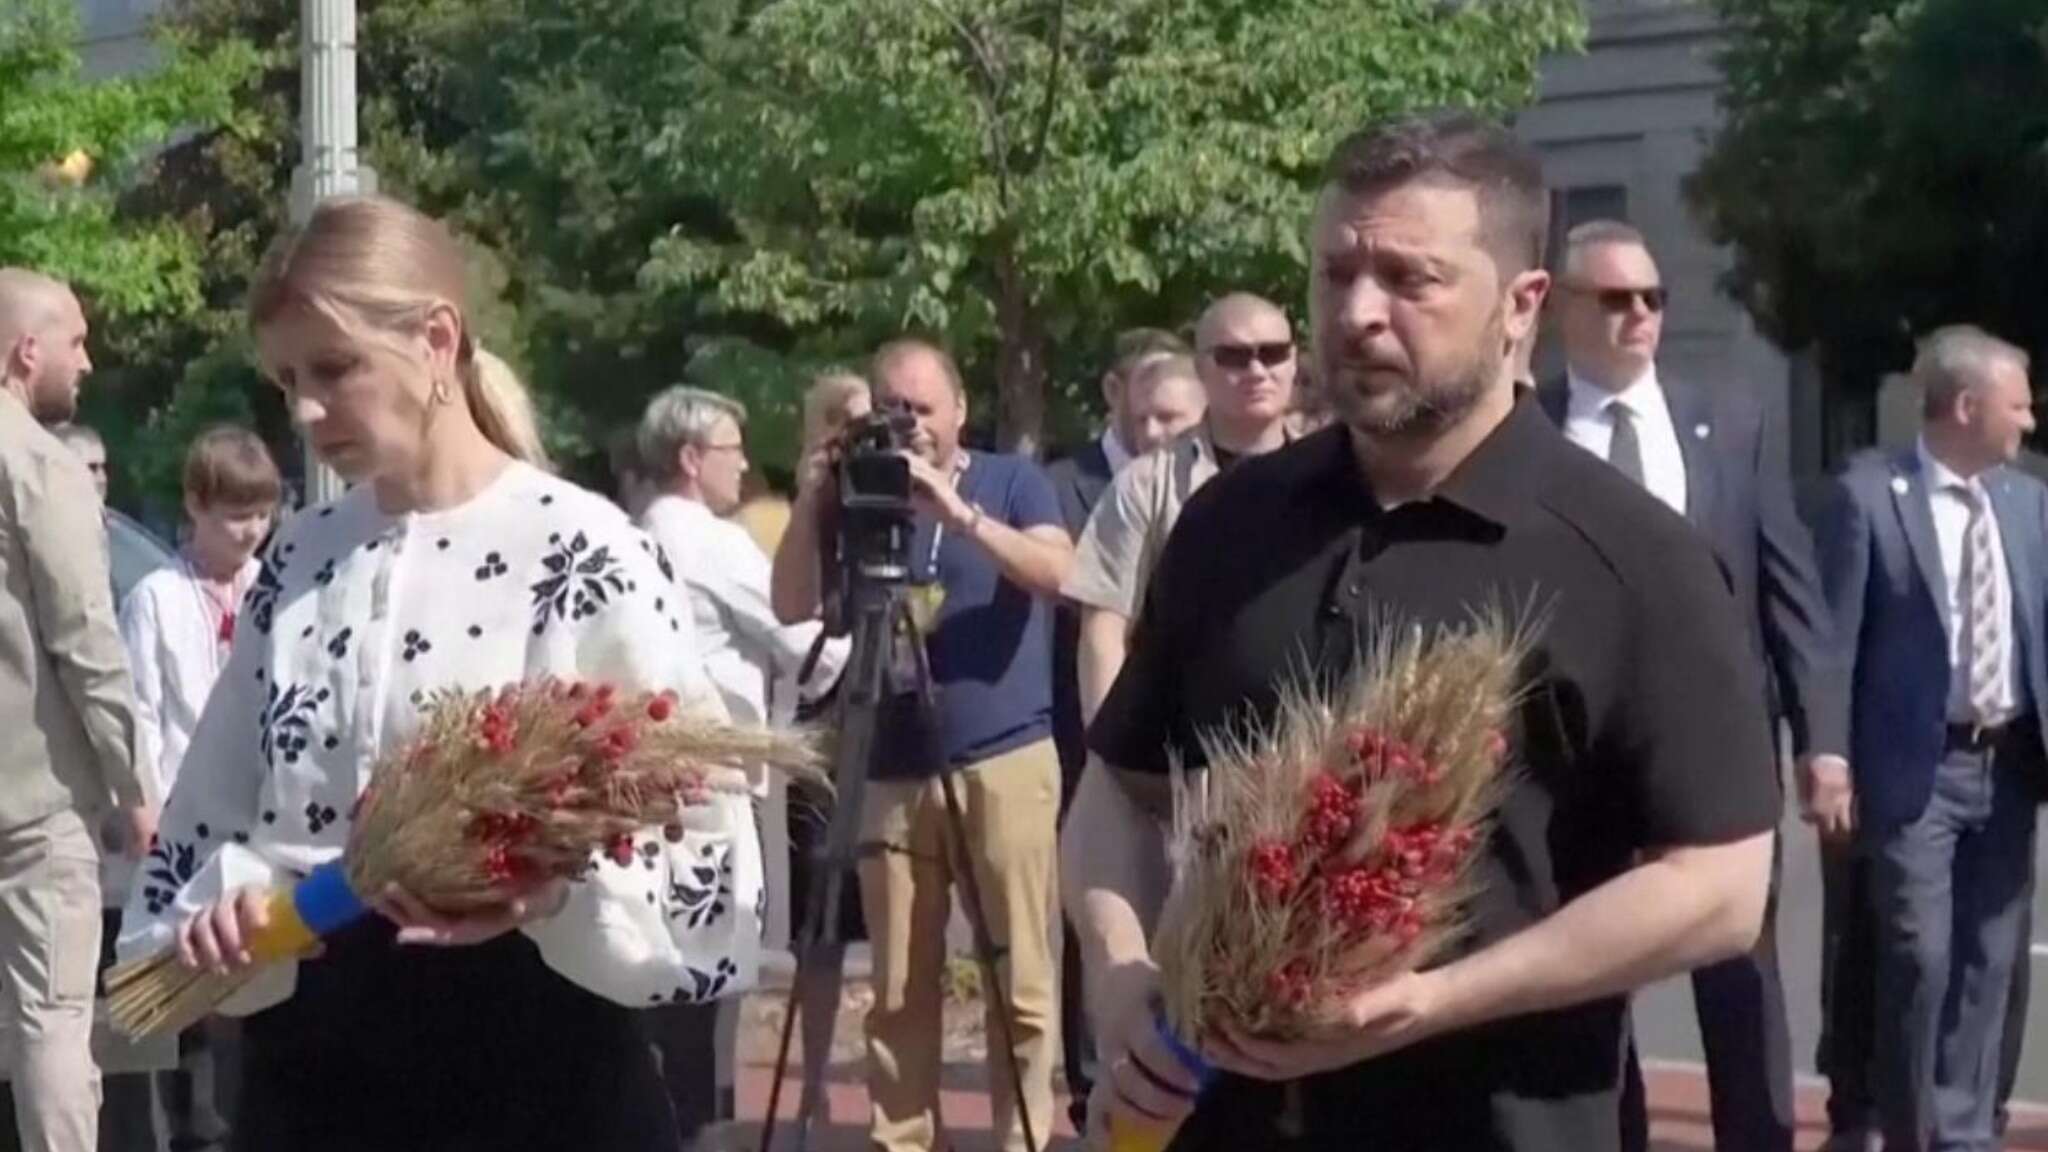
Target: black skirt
<point>403,1048</point>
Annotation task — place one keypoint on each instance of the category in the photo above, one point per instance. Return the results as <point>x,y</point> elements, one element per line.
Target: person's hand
<point>935,495</point>
<point>138,829</point>
<point>1384,1018</point>
<point>217,936</point>
<point>1142,1083</point>
<point>1827,796</point>
<point>814,470</point>
<point>419,924</point>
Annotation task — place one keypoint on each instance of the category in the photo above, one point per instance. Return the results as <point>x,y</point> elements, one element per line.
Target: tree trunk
<point>1020,359</point>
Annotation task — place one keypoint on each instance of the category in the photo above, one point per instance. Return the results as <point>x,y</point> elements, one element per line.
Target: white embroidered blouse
<point>356,616</point>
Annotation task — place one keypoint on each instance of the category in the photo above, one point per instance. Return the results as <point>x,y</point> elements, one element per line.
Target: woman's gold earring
<point>439,396</point>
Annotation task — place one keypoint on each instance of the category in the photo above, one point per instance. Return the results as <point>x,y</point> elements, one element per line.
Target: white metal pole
<point>329,165</point>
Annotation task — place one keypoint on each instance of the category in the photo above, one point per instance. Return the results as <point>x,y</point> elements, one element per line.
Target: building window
<point>1571,207</point>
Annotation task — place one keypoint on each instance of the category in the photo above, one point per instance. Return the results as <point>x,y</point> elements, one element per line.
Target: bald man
<point>67,719</point>
<point>1244,357</point>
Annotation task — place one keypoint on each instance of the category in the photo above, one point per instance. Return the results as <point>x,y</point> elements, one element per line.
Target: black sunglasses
<point>1619,300</point>
<point>1240,356</point>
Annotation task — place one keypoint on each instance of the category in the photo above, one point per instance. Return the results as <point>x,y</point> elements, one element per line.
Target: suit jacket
<point>1739,496</point>
<point>1886,584</point>
<point>67,708</point>
<point>1079,481</point>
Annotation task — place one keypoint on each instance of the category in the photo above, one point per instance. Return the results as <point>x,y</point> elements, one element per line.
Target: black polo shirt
<point>1643,726</point>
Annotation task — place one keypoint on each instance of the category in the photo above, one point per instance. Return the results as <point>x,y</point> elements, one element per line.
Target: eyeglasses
<point>1237,357</point>
<point>730,446</point>
<point>1619,300</point>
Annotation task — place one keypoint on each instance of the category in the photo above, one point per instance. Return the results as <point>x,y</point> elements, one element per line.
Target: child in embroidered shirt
<point>177,624</point>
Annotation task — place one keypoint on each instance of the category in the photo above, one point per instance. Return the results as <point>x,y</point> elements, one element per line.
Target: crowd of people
<point>1254,503</point>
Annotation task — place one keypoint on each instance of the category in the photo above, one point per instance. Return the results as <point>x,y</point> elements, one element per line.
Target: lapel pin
<point>1899,485</point>
<point>1701,431</point>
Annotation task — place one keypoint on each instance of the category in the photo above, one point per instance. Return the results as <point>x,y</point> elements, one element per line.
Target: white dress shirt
<point>1951,510</point>
<point>356,618</point>
<point>1590,425</point>
<point>751,657</point>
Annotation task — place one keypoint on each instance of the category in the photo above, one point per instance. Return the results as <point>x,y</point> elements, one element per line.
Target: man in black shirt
<point>1635,840</point>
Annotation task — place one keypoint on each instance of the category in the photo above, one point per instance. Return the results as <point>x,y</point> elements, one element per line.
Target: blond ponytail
<point>502,408</point>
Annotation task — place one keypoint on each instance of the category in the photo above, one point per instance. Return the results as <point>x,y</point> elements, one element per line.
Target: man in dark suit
<point>1936,560</point>
<point>1708,458</point>
<point>1145,411</point>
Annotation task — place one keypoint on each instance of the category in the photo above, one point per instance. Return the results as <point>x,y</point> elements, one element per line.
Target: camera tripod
<point>882,626</point>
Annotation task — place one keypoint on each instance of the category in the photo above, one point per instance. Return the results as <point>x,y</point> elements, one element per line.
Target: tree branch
<point>992,98</point>
<point>1052,81</point>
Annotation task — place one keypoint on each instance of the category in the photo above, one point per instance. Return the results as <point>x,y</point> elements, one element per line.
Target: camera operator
<point>987,555</point>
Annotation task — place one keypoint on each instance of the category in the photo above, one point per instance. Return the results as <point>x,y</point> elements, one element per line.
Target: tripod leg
<point>817,996</point>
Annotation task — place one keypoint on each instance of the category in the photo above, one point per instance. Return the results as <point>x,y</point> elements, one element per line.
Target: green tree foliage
<point>1023,177</point>
<point>69,144</point>
<point>1883,170</point>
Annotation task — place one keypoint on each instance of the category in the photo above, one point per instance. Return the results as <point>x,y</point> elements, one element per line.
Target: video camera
<point>876,516</point>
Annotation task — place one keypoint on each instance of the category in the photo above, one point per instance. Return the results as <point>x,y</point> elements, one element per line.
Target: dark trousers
<point>1741,1007</point>
<point>1848,998</point>
<point>685,1039</point>
<point>1077,1044</point>
<point>2012,1046</point>
<point>1951,890</point>
<point>1848,990</point>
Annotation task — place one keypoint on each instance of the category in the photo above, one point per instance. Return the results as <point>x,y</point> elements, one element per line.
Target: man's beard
<point>1417,407</point>
<point>52,404</point>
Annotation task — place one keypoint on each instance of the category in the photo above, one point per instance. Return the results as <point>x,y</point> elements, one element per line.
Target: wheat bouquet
<point>1330,849</point>
<point>499,793</point>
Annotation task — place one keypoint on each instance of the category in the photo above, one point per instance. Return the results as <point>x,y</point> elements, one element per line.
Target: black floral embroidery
<point>581,580</point>
<point>288,721</point>
<point>318,816</point>
<point>416,645</point>
<point>492,567</point>
<point>668,570</point>
<point>475,630</point>
<point>325,575</point>
<point>261,602</point>
<point>547,499</point>
<point>442,543</point>
<point>698,893</point>
<point>172,864</point>
<point>338,647</point>
<point>704,985</point>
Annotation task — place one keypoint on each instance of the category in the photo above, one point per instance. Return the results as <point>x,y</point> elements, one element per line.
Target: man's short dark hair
<point>1460,150</point>
<point>896,351</point>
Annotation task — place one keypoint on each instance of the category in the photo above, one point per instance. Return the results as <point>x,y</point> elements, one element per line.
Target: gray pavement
<point>1665,1023</point>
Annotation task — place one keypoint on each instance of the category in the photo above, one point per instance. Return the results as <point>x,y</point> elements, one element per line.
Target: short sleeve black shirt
<point>1643,726</point>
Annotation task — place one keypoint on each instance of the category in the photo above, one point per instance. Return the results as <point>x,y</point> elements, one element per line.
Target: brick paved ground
<point>1677,1095</point>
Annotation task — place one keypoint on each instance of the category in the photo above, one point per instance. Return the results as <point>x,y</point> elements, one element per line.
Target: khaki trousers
<point>49,956</point>
<point>1010,804</point>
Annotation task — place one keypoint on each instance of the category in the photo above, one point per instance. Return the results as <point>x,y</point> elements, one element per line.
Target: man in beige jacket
<point>67,722</point>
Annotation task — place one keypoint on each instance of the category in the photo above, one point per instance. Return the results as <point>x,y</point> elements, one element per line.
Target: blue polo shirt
<point>991,649</point>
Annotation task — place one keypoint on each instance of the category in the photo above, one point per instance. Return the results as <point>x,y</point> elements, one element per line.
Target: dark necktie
<point>1624,449</point>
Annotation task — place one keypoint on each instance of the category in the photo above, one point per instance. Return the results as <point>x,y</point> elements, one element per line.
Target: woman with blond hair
<point>453,563</point>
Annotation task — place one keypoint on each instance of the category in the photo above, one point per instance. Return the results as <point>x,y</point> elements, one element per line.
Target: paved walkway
<point>1678,1113</point>
<point>1678,1097</point>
